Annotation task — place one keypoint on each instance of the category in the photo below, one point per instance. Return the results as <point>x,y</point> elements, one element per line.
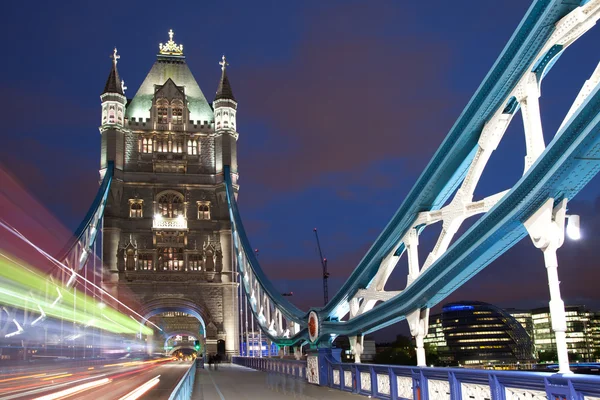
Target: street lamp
<point>573,230</point>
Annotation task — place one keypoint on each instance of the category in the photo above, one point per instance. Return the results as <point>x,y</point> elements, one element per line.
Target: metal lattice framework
<point>444,193</point>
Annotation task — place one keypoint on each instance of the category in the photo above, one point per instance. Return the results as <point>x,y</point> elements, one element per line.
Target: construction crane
<point>325,273</point>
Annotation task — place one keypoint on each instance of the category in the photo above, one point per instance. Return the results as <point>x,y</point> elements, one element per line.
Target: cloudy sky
<point>341,106</point>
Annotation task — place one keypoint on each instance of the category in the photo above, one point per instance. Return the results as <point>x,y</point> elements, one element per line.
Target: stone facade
<point>167,235</point>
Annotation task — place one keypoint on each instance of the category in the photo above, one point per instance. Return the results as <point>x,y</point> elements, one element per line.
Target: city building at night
<point>583,333</point>
<point>478,334</point>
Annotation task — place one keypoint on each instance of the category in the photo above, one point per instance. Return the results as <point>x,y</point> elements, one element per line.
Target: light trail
<point>140,391</point>
<point>75,273</point>
<point>22,377</point>
<point>74,390</point>
<point>56,377</point>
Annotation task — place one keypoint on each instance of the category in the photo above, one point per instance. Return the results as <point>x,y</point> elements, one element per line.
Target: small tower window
<point>162,115</point>
<point>204,210</point>
<point>135,208</point>
<point>192,147</point>
<point>145,262</point>
<point>194,262</point>
<point>111,114</point>
<point>177,116</point>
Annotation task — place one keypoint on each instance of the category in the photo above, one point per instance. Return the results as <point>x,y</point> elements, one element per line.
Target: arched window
<point>177,116</point>
<point>204,210</point>
<point>170,205</point>
<point>162,111</point>
<point>146,145</point>
<point>170,259</point>
<point>192,147</point>
<point>111,114</point>
<point>135,208</point>
<point>178,146</point>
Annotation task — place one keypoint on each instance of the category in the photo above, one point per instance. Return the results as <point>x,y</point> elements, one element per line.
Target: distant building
<point>477,334</point>
<point>369,349</point>
<point>583,332</point>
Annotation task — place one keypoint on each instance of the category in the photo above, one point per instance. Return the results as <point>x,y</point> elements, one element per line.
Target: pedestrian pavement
<point>230,381</point>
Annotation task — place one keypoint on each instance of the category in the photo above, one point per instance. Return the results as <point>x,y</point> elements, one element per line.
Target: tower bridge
<point>174,243</point>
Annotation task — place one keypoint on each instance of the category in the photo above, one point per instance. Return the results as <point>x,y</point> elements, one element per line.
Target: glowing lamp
<point>157,216</point>
<point>573,231</point>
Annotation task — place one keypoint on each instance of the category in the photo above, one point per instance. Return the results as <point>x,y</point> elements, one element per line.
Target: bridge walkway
<point>229,381</point>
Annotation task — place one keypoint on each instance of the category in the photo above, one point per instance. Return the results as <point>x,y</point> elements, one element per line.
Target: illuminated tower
<point>167,234</point>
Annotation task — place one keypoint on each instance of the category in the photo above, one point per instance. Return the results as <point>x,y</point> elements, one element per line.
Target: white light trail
<point>139,392</point>
<point>74,390</point>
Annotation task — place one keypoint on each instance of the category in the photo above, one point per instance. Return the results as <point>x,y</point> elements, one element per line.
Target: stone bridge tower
<point>167,236</point>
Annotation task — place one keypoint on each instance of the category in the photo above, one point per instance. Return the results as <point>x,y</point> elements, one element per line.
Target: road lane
<point>123,378</point>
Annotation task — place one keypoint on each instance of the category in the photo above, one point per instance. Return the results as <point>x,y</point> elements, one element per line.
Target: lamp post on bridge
<point>546,227</point>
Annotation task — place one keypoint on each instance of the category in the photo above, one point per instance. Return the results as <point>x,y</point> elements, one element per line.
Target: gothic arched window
<point>192,147</point>
<point>136,208</point>
<point>170,205</point>
<point>162,111</point>
<point>170,259</point>
<point>177,116</point>
<point>146,145</point>
<point>203,210</point>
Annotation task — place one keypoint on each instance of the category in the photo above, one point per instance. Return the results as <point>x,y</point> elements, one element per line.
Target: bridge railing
<point>183,390</point>
<point>293,368</point>
<point>404,382</point>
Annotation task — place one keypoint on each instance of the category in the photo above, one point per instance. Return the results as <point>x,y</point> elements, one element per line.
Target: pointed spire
<point>113,83</point>
<point>224,90</point>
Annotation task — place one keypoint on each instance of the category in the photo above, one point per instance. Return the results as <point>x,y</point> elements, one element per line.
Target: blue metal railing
<point>183,390</point>
<point>404,382</point>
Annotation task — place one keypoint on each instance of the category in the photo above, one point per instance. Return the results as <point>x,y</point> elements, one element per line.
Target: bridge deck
<point>230,381</point>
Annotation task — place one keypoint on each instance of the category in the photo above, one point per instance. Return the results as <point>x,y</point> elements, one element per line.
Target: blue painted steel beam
<point>447,169</point>
<point>569,162</point>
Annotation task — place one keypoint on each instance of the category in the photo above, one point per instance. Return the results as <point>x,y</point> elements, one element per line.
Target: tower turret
<point>225,108</point>
<point>113,114</point>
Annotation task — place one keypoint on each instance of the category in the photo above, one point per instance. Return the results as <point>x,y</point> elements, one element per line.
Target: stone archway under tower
<point>206,332</point>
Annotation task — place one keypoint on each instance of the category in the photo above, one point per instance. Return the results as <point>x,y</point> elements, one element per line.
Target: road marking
<point>216,387</point>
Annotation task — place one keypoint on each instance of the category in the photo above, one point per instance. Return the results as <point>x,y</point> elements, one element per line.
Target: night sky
<point>341,106</point>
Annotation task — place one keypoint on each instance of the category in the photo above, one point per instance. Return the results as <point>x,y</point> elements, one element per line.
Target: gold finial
<point>115,56</point>
<point>171,48</point>
<point>223,63</point>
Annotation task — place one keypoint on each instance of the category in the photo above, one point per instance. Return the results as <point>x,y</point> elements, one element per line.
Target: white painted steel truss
<point>462,206</point>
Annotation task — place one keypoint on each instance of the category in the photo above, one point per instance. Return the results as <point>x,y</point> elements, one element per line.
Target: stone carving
<point>312,363</point>
<point>365,381</point>
<point>383,384</point>
<point>336,377</point>
<point>405,387</point>
<point>475,391</point>
<point>525,394</point>
<point>348,379</point>
<point>438,390</point>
